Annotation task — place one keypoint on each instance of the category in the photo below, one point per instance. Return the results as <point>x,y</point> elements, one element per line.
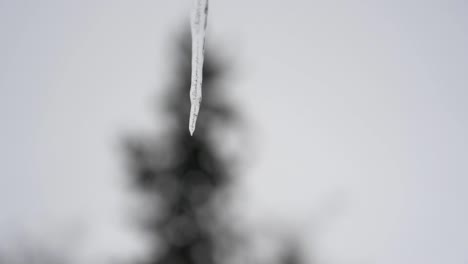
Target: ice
<point>198,23</point>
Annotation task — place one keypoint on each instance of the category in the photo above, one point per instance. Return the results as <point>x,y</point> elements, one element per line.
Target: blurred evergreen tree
<point>183,173</point>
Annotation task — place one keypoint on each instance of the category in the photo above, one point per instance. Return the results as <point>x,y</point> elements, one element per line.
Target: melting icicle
<point>198,22</point>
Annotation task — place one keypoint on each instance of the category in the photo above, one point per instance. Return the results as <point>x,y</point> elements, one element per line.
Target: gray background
<point>358,113</point>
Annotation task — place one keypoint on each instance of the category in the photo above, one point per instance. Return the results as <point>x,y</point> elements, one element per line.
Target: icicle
<point>198,22</point>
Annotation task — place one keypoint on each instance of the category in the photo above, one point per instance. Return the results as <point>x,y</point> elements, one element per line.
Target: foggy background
<point>357,115</point>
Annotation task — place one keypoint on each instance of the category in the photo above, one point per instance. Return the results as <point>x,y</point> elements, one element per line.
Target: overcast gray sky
<point>358,110</point>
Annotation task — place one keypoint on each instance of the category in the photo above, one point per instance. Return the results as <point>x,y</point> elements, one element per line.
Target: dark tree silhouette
<point>184,173</point>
